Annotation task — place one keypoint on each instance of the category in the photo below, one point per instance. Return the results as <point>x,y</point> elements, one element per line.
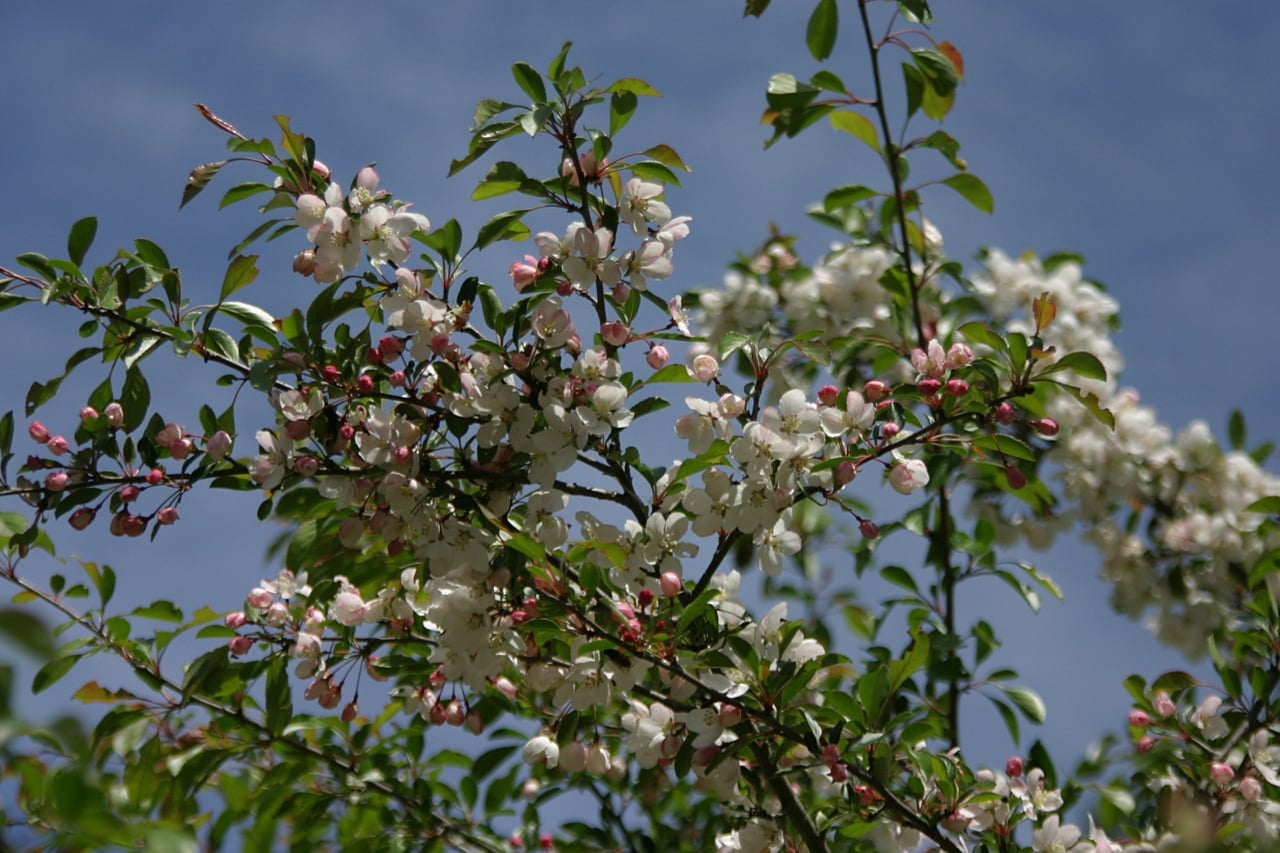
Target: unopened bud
<point>39,432</point>
<point>167,515</point>
<point>868,529</point>
<point>114,413</point>
<point>1047,427</point>
<point>1016,478</point>
<point>875,390</point>
<point>828,394</point>
<point>846,470</point>
<point>1139,719</point>
<point>1164,706</point>
<point>928,387</point>
<point>889,430</point>
<point>349,711</point>
<point>657,357</point>
<point>957,387</point>
<point>705,367</point>
<point>219,445</point>
<point>1013,767</point>
<point>1221,772</point>
<point>57,481</point>
<point>239,645</point>
<point>615,334</point>
<point>235,620</point>
<point>1250,789</point>
<point>671,584</point>
<point>81,518</point>
<point>1005,414</point>
<point>88,413</point>
<point>58,445</point>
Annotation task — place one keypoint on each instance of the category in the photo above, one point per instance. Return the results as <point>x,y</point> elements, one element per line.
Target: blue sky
<point>1141,135</point>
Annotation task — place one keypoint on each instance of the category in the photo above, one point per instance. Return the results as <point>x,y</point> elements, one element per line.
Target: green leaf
<point>1173,680</point>
<point>503,177</point>
<point>973,190</point>
<point>135,399</point>
<point>856,124</point>
<point>242,191</point>
<point>198,180</point>
<point>1237,434</point>
<point>755,8</point>
<point>241,272</point>
<point>1091,402</point>
<point>529,81</point>
<point>27,632</point>
<point>279,696</point>
<point>671,373</point>
<point>668,156</point>
<point>1028,702</point>
<point>842,197</point>
<point>1085,364</point>
<point>633,86</point>
<point>51,672</point>
<point>503,226</point>
<point>622,105</point>
<point>938,70</point>
<point>1269,505</point>
<point>81,238</point>
<point>250,315</point>
<point>164,611</point>
<point>821,33</point>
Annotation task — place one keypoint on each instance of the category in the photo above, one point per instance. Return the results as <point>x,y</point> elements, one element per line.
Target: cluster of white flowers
<point>340,225</point>
<point>1194,492</point>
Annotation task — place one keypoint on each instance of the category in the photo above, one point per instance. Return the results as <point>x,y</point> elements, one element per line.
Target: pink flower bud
<point>320,170</point>
<point>88,413</point>
<point>239,645</point>
<point>1221,772</point>
<point>307,466</point>
<point>81,518</point>
<point>615,334</point>
<point>39,432</point>
<point>729,716</point>
<point>889,430</point>
<point>473,722</point>
<point>1047,427</point>
<point>1139,719</point>
<point>619,293</point>
<point>454,713</point>
<point>114,413</point>
<point>367,179</point>
<point>349,711</point>
<point>373,356</point>
<point>645,598</point>
<point>957,387</point>
<point>846,470</point>
<point>1016,478</point>
<point>1164,706</point>
<point>315,689</point>
<point>546,841</point>
<point>828,394</point>
<point>1013,767</point>
<point>57,481</point>
<point>908,475</point>
<point>155,476</point>
<point>868,528</point>
<point>219,445</point>
<point>350,531</point>
<point>875,390</point>
<point>928,387</point>
<point>304,263</point>
<point>564,288</point>
<point>397,379</point>
<point>706,755</point>
<point>235,620</point>
<point>181,448</point>
<point>134,525</point>
<point>58,445</point>
<point>331,697</point>
<point>522,274</point>
<point>168,434</point>
<point>839,772</point>
<point>117,523</point>
<point>959,355</point>
<point>259,598</point>
<point>129,494</point>
<point>705,367</point>
<point>657,357</point>
<point>436,716</point>
<point>167,515</point>
<point>330,373</point>
<point>671,584</point>
<point>956,822</point>
<point>1250,789</point>
<point>365,383</point>
<point>277,614</point>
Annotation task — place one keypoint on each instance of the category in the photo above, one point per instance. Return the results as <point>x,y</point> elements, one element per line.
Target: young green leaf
<point>823,25</point>
<point>973,190</point>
